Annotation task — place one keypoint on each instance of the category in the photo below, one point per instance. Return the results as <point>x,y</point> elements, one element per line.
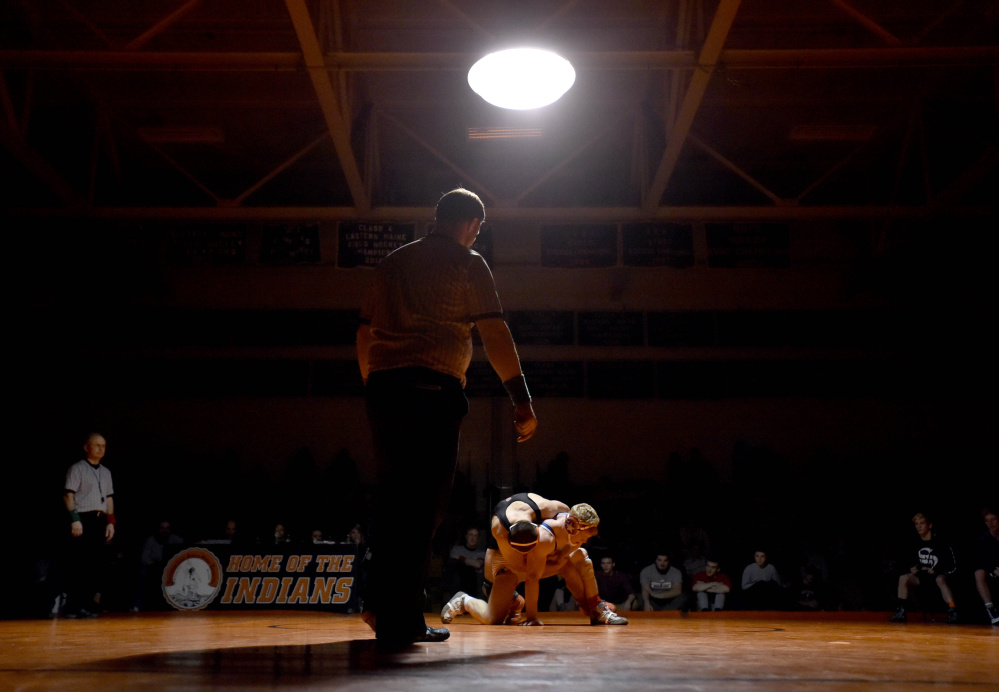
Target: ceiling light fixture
<point>504,132</point>
<point>521,78</point>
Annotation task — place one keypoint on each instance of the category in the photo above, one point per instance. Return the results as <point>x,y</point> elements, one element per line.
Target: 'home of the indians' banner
<point>322,576</point>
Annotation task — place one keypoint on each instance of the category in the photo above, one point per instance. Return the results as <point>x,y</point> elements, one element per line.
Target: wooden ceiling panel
<point>807,101</point>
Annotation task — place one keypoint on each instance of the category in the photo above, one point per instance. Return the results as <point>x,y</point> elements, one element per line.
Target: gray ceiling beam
<point>339,128</point>
<point>13,142</point>
<point>868,23</point>
<point>140,41</point>
<point>403,62</point>
<point>677,136</point>
<point>518,214</point>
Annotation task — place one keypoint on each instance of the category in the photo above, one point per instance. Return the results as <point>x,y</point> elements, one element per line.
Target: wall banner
<point>658,245</point>
<point>320,576</point>
<point>757,245</point>
<point>365,244</point>
<point>282,245</point>
<point>580,246</point>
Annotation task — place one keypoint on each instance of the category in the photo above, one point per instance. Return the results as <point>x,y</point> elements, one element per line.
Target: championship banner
<point>757,245</point>
<point>321,576</point>
<point>206,243</point>
<point>284,245</point>
<point>542,327</point>
<point>365,244</point>
<point>657,245</point>
<point>618,328</point>
<point>580,246</point>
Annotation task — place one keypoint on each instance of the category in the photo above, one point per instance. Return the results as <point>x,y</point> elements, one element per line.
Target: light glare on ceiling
<point>521,78</point>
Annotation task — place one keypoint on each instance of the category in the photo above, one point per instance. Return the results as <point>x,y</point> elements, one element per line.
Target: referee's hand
<point>525,422</point>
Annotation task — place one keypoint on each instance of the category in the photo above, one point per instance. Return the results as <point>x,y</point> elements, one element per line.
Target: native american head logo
<point>192,579</point>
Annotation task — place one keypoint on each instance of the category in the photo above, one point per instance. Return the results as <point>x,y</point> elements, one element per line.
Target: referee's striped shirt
<point>424,299</point>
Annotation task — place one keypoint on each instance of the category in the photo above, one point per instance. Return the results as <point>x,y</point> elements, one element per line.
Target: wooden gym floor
<point>658,651</point>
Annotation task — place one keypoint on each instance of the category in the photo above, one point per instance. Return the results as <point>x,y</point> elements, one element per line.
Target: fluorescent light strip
<point>504,132</point>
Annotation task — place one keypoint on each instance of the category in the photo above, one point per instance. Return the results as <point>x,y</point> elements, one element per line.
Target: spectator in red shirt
<point>710,587</point>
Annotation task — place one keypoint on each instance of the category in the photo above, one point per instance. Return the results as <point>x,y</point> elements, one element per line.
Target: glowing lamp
<point>521,78</point>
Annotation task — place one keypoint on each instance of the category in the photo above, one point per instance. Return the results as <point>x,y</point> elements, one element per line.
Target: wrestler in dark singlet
<point>500,513</point>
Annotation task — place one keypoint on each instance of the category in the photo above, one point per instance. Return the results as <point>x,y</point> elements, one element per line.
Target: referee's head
<point>459,216</point>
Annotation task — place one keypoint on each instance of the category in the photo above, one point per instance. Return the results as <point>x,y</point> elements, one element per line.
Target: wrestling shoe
<point>454,607</point>
<point>899,616</point>
<point>993,614</point>
<point>603,614</point>
<point>951,616</point>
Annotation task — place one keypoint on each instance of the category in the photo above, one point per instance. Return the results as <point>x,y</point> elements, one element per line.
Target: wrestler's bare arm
<point>530,567</point>
<point>549,508</point>
<point>521,511</point>
<point>532,590</point>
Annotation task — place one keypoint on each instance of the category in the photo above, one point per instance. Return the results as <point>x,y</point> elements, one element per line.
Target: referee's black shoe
<point>393,645</point>
<point>434,634</point>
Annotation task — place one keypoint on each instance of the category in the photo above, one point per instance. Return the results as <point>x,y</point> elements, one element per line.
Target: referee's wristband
<point>516,387</point>
<point>73,516</point>
<point>111,519</point>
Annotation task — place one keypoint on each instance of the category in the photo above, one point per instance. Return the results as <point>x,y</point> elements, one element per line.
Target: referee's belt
<point>96,513</point>
<point>419,377</point>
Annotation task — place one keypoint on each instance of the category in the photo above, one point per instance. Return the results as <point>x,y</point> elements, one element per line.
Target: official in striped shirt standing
<point>414,346</point>
<point>89,499</point>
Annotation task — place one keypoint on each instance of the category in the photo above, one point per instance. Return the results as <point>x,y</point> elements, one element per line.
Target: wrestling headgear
<point>581,517</point>
<point>523,536</point>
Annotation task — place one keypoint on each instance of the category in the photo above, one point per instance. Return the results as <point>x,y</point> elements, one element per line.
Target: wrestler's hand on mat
<point>525,422</point>
<point>517,619</point>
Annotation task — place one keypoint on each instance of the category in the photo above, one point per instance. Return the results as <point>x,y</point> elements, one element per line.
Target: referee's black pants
<point>415,416</point>
<point>88,560</point>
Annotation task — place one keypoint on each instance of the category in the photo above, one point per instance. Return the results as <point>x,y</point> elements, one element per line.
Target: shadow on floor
<point>299,665</point>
